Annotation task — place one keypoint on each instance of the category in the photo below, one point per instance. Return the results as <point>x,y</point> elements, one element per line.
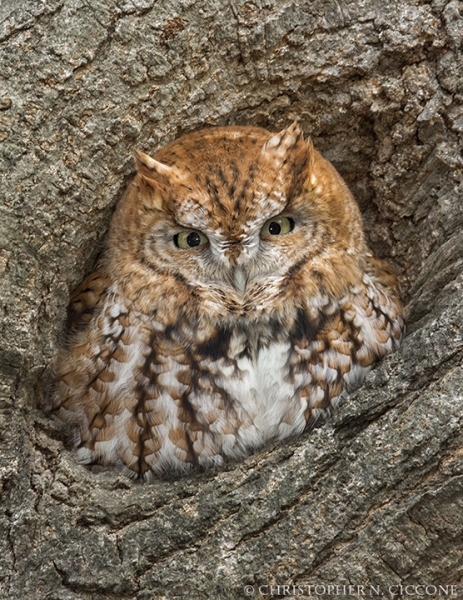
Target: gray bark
<point>373,497</point>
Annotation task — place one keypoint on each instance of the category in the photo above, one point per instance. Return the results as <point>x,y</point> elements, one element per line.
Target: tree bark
<point>374,496</point>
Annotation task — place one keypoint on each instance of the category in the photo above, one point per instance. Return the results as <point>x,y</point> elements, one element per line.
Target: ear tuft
<point>285,140</point>
<point>149,167</point>
<point>289,141</point>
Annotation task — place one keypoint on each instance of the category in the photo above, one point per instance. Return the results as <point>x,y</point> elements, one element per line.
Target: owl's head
<point>238,221</point>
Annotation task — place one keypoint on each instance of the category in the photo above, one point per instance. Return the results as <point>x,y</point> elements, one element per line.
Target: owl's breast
<point>245,373</point>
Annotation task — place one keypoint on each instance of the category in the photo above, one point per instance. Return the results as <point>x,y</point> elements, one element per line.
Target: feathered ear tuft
<point>149,167</point>
<point>289,142</point>
<point>285,140</point>
<point>152,177</point>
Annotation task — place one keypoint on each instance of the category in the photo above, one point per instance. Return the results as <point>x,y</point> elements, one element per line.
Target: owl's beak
<point>240,279</point>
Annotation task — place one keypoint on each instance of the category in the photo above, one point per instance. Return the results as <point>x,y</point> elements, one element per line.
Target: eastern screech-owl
<point>236,301</point>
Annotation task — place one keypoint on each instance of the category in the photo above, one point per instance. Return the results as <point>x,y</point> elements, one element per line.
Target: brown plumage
<point>236,301</point>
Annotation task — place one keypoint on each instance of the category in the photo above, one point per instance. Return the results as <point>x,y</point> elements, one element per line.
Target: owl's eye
<point>189,239</point>
<point>277,226</point>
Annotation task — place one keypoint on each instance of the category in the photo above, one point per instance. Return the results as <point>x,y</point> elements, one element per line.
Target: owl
<point>236,302</point>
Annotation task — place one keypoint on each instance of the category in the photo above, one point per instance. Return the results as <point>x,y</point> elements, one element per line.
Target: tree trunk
<point>374,496</point>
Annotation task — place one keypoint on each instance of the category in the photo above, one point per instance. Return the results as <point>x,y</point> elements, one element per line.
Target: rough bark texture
<point>372,497</point>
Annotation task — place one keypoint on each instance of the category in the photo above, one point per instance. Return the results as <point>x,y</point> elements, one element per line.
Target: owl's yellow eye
<point>277,226</point>
<point>190,239</point>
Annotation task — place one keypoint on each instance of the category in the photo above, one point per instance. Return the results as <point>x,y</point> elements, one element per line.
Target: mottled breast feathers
<point>236,301</point>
